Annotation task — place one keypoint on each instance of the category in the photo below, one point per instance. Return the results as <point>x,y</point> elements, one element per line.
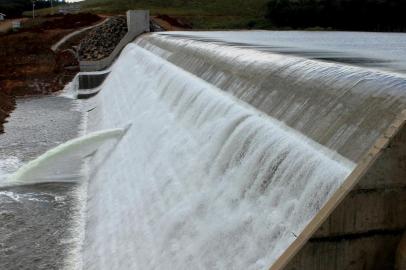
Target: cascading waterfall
<point>344,108</point>
<point>232,152</point>
<point>202,180</point>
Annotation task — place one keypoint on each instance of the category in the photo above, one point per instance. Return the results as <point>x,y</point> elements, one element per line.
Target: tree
<point>381,15</point>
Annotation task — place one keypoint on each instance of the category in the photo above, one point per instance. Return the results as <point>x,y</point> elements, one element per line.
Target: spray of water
<point>64,162</point>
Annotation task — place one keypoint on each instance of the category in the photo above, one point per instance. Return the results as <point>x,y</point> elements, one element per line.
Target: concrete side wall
<point>90,81</point>
<point>365,230</point>
<point>138,23</point>
<point>364,253</point>
<point>87,84</point>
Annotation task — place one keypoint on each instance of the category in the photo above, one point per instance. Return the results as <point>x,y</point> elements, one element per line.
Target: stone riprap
<point>102,40</point>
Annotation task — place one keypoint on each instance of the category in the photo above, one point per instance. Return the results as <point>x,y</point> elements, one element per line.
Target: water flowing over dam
<point>232,154</point>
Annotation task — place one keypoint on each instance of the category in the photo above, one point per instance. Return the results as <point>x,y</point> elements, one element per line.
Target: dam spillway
<point>232,152</point>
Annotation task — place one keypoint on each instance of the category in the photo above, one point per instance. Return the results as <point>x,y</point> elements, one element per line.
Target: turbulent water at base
<point>231,153</point>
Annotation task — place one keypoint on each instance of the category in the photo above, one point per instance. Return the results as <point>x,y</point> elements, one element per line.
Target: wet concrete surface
<point>37,222</point>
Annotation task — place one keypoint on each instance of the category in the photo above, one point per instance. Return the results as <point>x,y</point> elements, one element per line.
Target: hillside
<point>201,14</point>
<point>16,7</point>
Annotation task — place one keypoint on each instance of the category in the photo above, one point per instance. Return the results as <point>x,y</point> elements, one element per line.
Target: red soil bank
<point>28,65</point>
<point>171,23</point>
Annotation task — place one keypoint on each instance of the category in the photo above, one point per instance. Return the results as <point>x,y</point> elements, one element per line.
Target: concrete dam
<point>233,157</point>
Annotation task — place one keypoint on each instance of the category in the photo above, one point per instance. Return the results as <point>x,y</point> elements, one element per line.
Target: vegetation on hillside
<point>17,7</point>
<point>201,14</point>
<point>369,15</point>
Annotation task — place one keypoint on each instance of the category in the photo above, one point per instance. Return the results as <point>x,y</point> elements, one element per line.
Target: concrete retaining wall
<point>91,81</point>
<point>365,230</point>
<point>138,23</point>
<point>88,84</point>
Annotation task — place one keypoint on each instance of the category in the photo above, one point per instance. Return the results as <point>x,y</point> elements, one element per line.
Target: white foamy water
<point>201,180</point>
<point>8,166</point>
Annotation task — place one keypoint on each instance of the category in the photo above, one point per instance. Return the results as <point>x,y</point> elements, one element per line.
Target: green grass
<point>41,12</point>
<point>201,14</point>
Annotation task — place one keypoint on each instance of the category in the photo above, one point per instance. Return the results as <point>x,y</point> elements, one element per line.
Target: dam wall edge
<point>349,184</point>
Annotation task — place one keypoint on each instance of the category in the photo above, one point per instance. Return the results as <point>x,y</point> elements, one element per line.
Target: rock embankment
<point>102,40</point>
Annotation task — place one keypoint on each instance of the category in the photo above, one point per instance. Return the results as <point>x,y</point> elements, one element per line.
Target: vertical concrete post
<point>138,20</point>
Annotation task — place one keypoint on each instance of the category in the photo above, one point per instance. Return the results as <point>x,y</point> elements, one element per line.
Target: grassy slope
<point>202,14</point>
<point>40,12</point>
